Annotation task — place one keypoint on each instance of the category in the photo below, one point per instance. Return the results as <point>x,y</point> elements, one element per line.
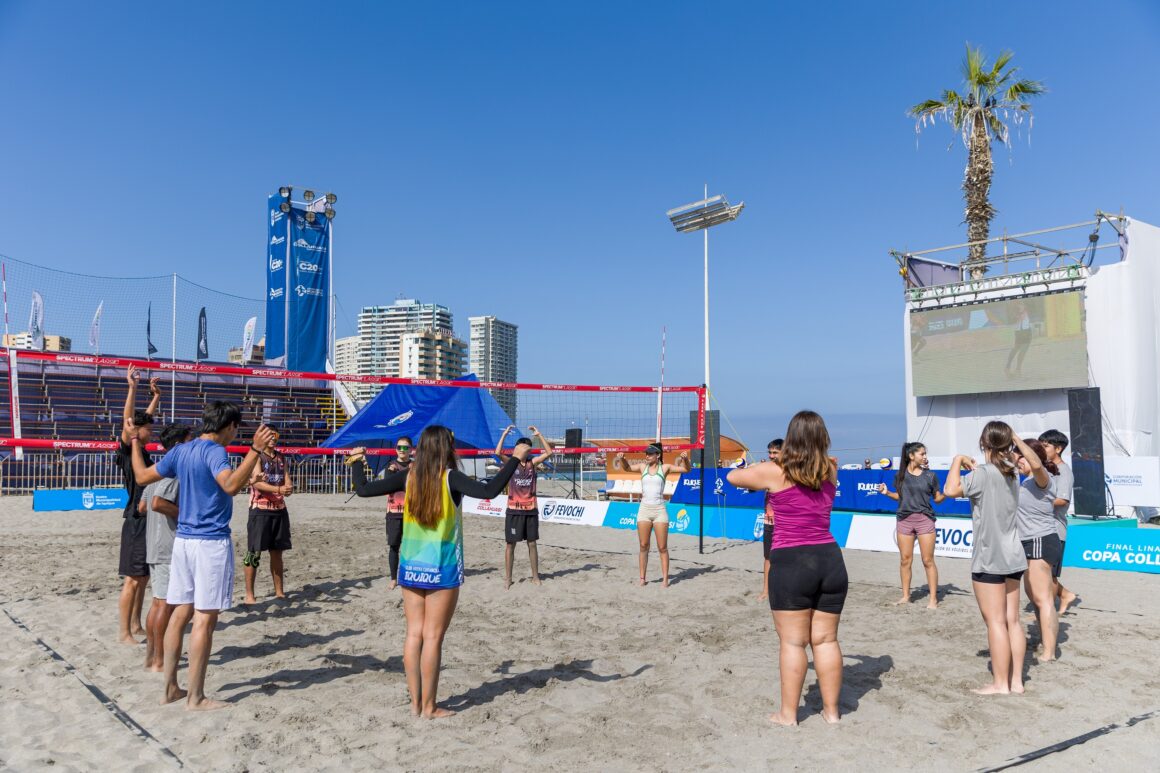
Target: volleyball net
<point>69,402</point>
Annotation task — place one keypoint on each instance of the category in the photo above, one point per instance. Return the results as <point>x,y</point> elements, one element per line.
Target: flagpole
<point>173,353</point>
<point>4,279</point>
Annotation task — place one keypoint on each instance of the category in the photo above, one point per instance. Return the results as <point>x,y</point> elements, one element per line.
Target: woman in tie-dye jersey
<point>431,556</point>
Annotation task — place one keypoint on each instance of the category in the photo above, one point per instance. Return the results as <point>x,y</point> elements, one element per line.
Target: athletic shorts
<point>521,526</point>
<point>995,579</point>
<point>202,573</point>
<point>653,514</point>
<point>159,579</point>
<point>268,530</point>
<point>766,540</point>
<point>394,530</point>
<point>808,577</point>
<point>915,524</point>
<point>133,562</point>
<point>1057,570</point>
<point>1048,549</point>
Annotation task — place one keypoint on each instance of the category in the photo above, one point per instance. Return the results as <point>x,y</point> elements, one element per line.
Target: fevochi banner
<point>202,337</point>
<point>308,307</point>
<point>277,253</point>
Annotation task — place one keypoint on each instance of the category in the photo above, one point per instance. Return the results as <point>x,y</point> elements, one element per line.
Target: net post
<point>701,489</point>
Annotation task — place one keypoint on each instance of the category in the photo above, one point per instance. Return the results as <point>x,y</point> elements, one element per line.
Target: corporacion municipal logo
<point>275,216</point>
<point>402,417</point>
<point>88,500</point>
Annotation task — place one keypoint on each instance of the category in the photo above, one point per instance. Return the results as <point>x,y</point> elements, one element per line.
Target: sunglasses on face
<point>402,448</point>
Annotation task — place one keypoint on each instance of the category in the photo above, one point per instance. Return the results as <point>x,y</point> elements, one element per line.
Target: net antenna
<point>661,391</point>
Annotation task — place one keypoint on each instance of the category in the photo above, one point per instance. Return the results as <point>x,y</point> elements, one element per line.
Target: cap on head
<point>653,450</point>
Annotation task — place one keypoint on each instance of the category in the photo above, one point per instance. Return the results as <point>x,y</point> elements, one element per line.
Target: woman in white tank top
<point>653,515</point>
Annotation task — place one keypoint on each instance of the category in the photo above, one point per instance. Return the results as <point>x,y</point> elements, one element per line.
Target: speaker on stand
<point>1087,452</point>
<point>574,438</point>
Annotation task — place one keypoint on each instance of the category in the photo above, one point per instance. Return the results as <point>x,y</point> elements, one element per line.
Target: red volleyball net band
<point>69,402</point>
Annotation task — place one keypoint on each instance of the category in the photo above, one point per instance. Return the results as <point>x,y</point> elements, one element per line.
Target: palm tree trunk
<point>976,190</point>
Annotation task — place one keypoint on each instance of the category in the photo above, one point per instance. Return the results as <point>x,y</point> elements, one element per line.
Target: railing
<point>58,470</point>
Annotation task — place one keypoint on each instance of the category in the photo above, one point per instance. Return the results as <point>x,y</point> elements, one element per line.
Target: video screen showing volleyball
<point>1037,342</point>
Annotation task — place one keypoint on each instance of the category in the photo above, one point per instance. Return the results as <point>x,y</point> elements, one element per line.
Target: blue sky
<point>517,159</point>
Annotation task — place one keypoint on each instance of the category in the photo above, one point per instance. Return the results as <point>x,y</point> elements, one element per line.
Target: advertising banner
<point>309,299</point>
<point>45,500</point>
<point>879,532</point>
<point>580,512</point>
<point>248,339</point>
<point>277,254</point>
<point>1133,480</point>
<point>202,337</point>
<point>1111,547</point>
<point>718,491</point>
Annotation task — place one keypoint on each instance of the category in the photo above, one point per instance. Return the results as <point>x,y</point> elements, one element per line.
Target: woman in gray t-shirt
<point>1038,532</point>
<point>997,559</point>
<point>915,487</point>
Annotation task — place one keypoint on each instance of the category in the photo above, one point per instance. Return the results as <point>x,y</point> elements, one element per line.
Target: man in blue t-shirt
<point>201,575</point>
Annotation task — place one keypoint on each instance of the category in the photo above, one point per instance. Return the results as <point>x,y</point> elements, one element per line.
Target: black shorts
<point>394,530</point>
<point>766,540</point>
<point>1048,549</point>
<point>521,526</point>
<point>1057,570</point>
<point>132,563</point>
<point>995,579</point>
<point>808,577</point>
<point>268,530</point>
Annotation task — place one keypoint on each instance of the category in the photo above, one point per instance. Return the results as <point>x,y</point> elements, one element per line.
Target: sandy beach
<point>587,671</point>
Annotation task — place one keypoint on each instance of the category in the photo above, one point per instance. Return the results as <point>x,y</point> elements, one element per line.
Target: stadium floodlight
<point>331,198</point>
<point>329,213</point>
<point>704,214</point>
<point>308,196</point>
<point>310,216</point>
<point>701,216</point>
<point>285,207</point>
<point>284,191</point>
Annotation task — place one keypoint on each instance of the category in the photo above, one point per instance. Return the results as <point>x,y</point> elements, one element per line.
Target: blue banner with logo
<point>1113,547</point>
<point>44,500</point>
<point>731,523</point>
<point>277,253</point>
<point>857,491</point>
<point>309,306</point>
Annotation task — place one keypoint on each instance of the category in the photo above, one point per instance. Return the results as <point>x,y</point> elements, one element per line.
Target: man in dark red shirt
<point>522,518</point>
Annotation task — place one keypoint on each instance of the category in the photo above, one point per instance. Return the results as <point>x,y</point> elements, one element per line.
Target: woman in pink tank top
<point>807,576</point>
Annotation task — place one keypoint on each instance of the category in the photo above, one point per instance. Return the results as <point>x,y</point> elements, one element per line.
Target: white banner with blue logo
<point>309,306</point>
<point>277,254</point>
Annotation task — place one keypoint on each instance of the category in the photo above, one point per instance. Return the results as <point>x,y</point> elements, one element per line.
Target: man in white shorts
<point>160,504</point>
<point>201,576</point>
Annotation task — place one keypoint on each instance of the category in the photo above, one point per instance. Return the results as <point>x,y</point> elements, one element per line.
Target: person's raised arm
<point>467,487</point>
<point>392,483</point>
<point>938,495</point>
<point>499,446</point>
<point>681,464</point>
<point>954,485</point>
<point>544,444</point>
<point>1038,471</point>
<point>155,392</point>
<point>144,474</point>
<point>233,481</point>
<point>622,464</point>
<point>127,430</point>
<point>897,497</point>
<point>759,477</point>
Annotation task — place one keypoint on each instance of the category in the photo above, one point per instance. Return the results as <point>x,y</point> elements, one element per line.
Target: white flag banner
<point>248,340</point>
<point>36,322</point>
<point>95,329</point>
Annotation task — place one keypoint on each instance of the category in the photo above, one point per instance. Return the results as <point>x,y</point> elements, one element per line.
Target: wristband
<point>255,450</point>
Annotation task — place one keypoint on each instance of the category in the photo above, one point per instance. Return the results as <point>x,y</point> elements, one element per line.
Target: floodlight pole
<point>706,232</point>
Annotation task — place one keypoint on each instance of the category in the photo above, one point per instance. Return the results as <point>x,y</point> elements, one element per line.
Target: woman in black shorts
<point>1037,531</point>
<point>807,576</point>
<point>997,560</point>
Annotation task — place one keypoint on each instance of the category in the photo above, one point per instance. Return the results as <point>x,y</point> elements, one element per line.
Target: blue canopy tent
<point>406,409</point>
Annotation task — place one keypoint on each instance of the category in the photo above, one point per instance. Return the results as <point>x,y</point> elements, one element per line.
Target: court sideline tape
<point>1062,745</point>
<point>121,715</point>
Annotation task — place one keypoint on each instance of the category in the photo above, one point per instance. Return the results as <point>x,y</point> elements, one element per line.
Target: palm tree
<point>992,96</point>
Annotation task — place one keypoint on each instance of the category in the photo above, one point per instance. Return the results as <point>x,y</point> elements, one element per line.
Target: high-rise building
<point>52,343</point>
<point>346,354</point>
<point>494,355</point>
<point>432,354</point>
<point>380,332</point>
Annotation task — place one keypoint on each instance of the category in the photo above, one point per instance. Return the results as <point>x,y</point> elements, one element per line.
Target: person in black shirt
<point>133,566</point>
<point>915,486</point>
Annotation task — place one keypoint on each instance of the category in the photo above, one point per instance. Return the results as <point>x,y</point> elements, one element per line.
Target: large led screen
<point>1035,342</point>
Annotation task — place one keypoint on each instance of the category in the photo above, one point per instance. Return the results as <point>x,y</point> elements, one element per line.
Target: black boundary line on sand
<point>121,715</point>
<point>1022,759</point>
